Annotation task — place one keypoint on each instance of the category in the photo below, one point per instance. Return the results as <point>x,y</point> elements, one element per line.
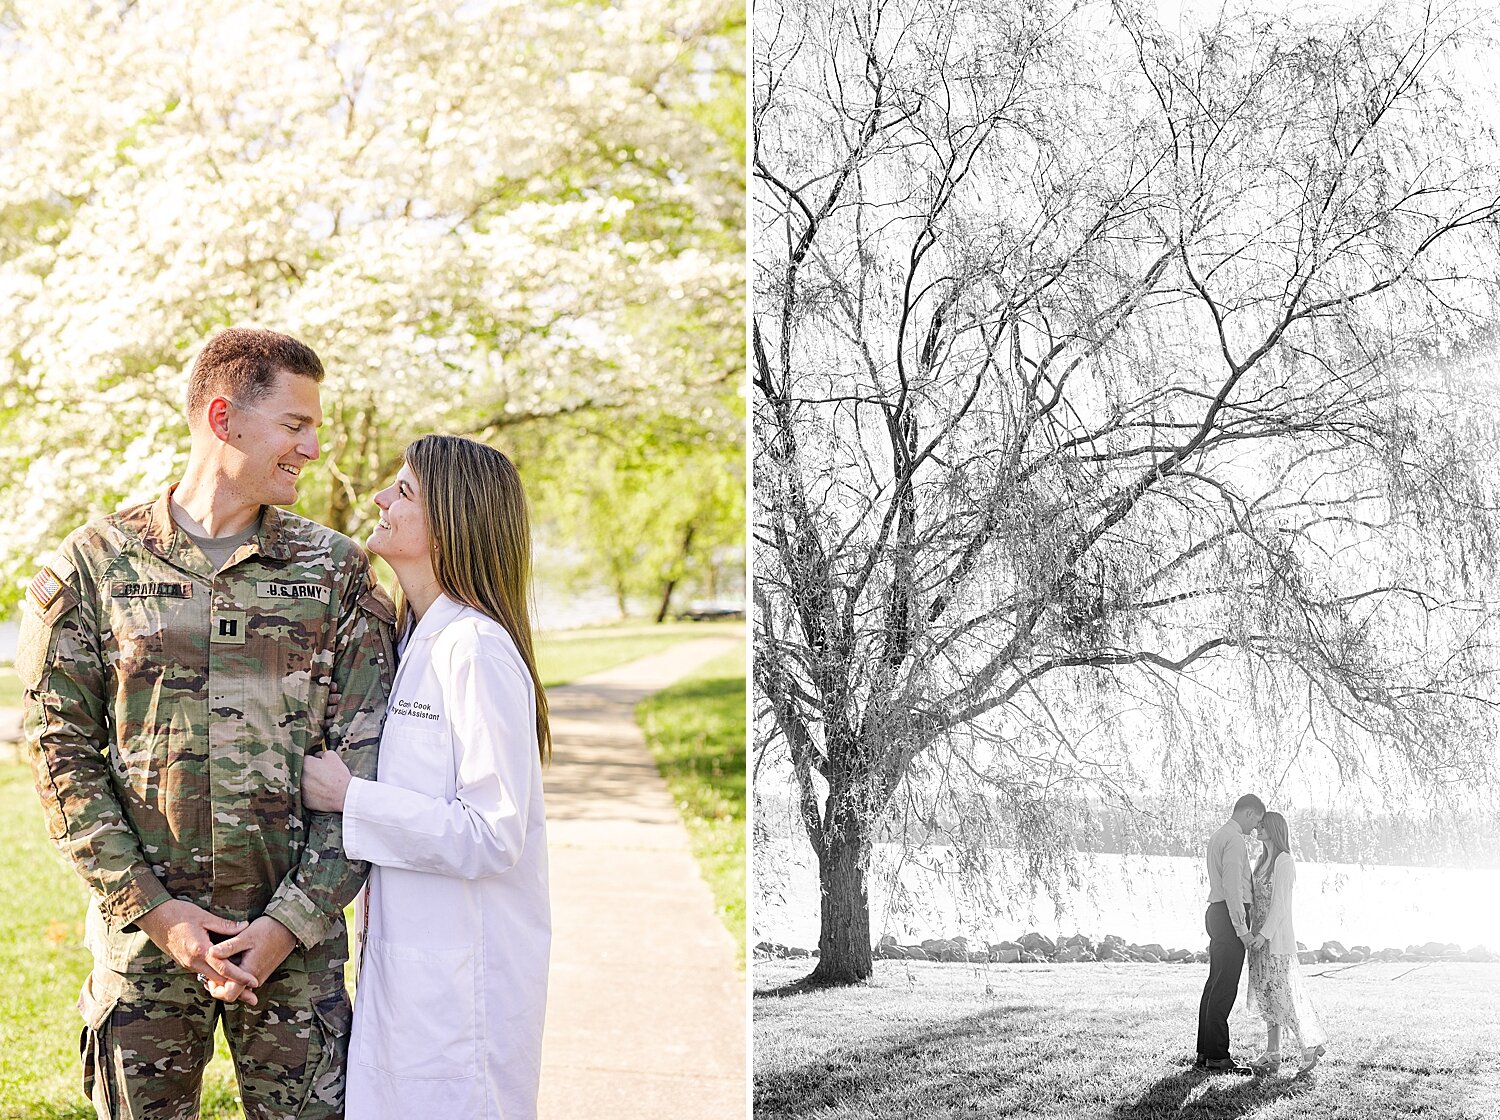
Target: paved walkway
<point>646,1010</point>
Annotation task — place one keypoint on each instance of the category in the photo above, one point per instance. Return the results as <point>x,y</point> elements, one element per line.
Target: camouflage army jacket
<point>168,710</point>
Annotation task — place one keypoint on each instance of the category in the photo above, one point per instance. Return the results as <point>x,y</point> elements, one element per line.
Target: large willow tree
<point>518,221</point>
<point>1124,414</point>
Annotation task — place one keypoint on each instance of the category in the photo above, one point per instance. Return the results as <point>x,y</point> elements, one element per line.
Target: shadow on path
<point>629,1032</point>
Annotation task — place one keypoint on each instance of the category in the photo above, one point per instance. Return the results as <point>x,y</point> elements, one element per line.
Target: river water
<point>1141,898</point>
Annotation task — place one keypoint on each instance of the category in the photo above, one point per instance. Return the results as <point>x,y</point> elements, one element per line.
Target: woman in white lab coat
<point>452,979</point>
<point>1275,984</point>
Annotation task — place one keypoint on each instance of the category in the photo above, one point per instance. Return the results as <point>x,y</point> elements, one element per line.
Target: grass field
<point>41,923</point>
<point>566,655</point>
<point>696,730</point>
<point>10,688</point>
<point>1107,1042</point>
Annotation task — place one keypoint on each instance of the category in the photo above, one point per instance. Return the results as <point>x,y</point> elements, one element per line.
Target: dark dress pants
<point>1226,960</point>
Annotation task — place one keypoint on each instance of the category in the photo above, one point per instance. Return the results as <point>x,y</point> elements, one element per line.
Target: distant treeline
<point>1440,840</point>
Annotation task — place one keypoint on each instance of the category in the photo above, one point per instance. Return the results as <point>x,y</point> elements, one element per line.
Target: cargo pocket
<point>96,1003</point>
<point>325,1087</point>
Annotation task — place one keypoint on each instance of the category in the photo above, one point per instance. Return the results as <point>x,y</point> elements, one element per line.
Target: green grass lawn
<point>1110,1042</point>
<point>566,655</point>
<point>696,730</point>
<point>10,688</point>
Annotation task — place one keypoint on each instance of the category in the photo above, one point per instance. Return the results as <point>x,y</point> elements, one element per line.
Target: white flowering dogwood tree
<point>522,222</point>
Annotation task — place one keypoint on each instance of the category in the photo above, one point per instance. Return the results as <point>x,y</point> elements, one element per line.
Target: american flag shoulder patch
<point>45,588</point>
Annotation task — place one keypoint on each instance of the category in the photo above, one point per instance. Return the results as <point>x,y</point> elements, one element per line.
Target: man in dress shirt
<point>1228,924</point>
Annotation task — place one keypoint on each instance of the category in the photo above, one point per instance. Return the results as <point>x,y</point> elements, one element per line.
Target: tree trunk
<point>671,584</point>
<point>338,504</point>
<point>844,940</point>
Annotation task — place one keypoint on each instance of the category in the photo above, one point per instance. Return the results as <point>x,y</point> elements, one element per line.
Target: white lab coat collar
<point>443,611</point>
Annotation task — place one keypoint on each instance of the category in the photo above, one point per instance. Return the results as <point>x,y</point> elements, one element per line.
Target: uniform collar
<point>444,610</point>
<point>165,537</point>
<point>272,535</point>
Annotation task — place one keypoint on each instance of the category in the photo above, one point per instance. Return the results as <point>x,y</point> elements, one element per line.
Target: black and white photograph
<point>1125,606</point>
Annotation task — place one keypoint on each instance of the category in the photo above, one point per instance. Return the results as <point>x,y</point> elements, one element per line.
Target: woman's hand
<point>325,781</point>
<point>1258,940</point>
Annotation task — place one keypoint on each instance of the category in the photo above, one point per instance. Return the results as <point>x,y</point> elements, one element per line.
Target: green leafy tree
<point>657,507</point>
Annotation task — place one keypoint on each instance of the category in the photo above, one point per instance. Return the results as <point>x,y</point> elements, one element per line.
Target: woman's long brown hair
<point>481,541</point>
<point>1278,839</point>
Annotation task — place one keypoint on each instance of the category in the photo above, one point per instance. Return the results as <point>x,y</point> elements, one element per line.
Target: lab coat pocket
<point>419,760</point>
<point>421,1018</point>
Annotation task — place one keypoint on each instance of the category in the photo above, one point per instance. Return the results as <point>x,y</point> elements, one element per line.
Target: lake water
<point>1141,898</point>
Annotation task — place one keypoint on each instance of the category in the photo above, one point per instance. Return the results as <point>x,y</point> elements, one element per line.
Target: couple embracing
<point>1250,913</point>
<point>232,727</point>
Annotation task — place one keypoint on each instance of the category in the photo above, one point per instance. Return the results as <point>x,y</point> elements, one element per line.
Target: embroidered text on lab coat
<point>416,709</point>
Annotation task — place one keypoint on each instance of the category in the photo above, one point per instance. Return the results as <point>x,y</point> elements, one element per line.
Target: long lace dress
<point>1276,986</point>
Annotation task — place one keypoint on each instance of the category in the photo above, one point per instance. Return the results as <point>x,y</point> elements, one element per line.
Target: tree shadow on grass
<point>992,1064</point>
<point>954,1065</point>
<point>799,987</point>
<point>1227,1095</point>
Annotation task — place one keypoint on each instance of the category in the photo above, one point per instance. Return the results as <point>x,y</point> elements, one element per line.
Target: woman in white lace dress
<point>1276,985</point>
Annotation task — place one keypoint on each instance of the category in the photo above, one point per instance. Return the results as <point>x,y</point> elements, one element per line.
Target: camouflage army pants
<point>147,1037</point>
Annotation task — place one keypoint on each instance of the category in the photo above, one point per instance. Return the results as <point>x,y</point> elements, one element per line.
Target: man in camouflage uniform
<point>180,659</point>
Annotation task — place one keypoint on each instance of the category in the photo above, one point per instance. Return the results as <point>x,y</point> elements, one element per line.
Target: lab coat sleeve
<point>1283,876</point>
<point>481,832</point>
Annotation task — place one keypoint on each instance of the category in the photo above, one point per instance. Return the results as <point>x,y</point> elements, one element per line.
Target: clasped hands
<point>1254,940</point>
<point>233,968</point>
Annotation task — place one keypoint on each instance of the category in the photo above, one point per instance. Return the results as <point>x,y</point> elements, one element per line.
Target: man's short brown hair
<point>1250,801</point>
<point>241,363</point>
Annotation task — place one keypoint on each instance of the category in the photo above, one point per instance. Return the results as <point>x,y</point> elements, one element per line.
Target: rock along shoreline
<point>1037,948</point>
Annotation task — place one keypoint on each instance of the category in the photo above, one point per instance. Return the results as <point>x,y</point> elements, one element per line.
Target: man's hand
<point>325,781</point>
<point>182,931</point>
<point>1248,939</point>
<point>259,948</point>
